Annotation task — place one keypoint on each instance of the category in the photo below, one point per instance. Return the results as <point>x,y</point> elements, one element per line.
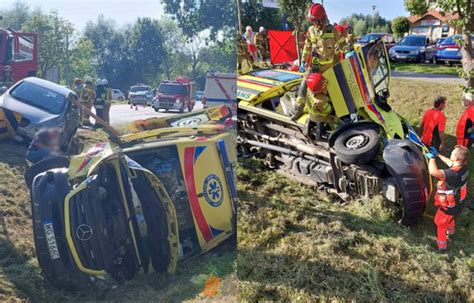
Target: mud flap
<point>407,167</point>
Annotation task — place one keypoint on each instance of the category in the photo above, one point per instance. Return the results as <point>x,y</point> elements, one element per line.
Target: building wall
<point>432,27</point>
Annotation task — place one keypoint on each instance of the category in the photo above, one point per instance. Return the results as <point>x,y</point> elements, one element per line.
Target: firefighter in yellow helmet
<point>87,97</point>
<point>323,42</point>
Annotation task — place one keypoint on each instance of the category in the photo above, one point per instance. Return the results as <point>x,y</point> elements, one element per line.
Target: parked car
<point>413,48</point>
<point>34,103</point>
<point>388,39</point>
<point>362,149</point>
<point>449,51</point>
<point>438,41</point>
<point>117,94</point>
<point>139,94</point>
<point>161,195</point>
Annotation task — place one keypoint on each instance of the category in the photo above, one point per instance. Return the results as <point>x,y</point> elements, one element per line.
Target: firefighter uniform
<point>434,122</point>
<point>78,89</point>
<point>317,106</point>
<point>88,97</point>
<point>242,52</point>
<point>261,40</point>
<point>466,122</point>
<point>322,48</point>
<point>100,100</point>
<point>450,198</point>
<point>107,105</point>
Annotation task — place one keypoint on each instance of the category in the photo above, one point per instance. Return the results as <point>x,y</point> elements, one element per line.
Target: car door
<point>430,49</point>
<point>209,180</point>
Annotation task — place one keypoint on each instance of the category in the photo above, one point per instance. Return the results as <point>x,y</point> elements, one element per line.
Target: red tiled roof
<point>436,14</point>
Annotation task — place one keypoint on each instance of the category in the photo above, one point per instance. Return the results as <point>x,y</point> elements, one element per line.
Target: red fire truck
<point>20,52</point>
<point>175,94</point>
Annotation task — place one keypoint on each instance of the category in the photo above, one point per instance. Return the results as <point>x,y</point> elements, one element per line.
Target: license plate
<point>402,56</point>
<point>51,240</point>
<point>451,49</point>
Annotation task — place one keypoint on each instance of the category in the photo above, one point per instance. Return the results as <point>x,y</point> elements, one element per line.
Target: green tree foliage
<point>15,16</point>
<point>254,14</point>
<point>80,60</point>
<point>194,16</point>
<point>464,9</point>
<point>54,34</point>
<point>400,26</point>
<point>364,24</point>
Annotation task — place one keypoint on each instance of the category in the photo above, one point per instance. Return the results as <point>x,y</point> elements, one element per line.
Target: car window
<point>378,67</point>
<point>135,89</point>
<point>413,41</point>
<point>39,97</point>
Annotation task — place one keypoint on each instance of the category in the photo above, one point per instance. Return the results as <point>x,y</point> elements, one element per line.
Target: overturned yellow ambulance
<point>157,196</point>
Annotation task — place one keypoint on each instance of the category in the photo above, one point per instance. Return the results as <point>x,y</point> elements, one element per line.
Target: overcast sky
<point>126,11</point>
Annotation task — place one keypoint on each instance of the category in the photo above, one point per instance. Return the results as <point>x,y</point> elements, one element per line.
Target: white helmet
<point>248,28</point>
<point>98,81</point>
<point>261,29</point>
<point>105,82</point>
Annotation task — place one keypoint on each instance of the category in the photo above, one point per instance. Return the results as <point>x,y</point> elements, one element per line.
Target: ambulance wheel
<point>190,109</point>
<point>358,145</point>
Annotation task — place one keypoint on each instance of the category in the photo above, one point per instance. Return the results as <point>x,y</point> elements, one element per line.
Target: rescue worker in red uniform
<point>465,127</point>
<point>451,191</point>
<point>433,124</point>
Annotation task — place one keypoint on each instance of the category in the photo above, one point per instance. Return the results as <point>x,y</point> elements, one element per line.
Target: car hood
<point>33,114</point>
<point>405,47</point>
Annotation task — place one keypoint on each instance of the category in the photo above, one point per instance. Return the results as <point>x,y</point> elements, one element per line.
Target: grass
<point>300,245</point>
<point>20,275</point>
<point>425,68</point>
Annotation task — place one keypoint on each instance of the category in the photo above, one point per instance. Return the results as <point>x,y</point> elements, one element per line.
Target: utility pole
<point>373,17</point>
<point>239,19</point>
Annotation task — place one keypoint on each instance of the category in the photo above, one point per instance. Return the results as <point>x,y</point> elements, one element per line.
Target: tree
<point>15,16</point>
<point>175,62</point>
<point>194,16</point>
<point>53,39</point>
<point>255,15</point>
<point>371,24</point>
<point>400,26</point>
<point>81,54</point>
<point>463,8</point>
<point>360,28</point>
<point>295,10</point>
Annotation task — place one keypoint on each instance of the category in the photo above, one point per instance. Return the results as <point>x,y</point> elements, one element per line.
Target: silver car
<point>41,104</point>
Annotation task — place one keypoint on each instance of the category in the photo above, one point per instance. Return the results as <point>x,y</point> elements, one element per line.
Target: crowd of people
<point>253,48</point>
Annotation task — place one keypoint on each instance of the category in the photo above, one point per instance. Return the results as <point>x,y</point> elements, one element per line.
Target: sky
<point>126,11</point>
<point>78,12</point>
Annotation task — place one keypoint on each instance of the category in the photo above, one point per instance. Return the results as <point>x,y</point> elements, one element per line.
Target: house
<point>433,24</point>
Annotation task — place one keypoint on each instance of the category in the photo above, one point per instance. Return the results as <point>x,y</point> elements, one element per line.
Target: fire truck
<point>175,95</point>
<point>20,52</point>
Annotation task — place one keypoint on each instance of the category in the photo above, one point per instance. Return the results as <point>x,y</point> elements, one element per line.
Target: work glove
<point>297,111</point>
<point>430,156</point>
<point>434,151</point>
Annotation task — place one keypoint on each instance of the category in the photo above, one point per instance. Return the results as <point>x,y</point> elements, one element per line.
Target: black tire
<point>358,145</point>
<point>42,166</point>
<point>120,99</point>
<point>190,109</point>
<point>157,110</point>
<point>422,59</point>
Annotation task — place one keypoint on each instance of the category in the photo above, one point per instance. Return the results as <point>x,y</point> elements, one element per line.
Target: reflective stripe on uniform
<point>327,35</point>
<point>446,192</point>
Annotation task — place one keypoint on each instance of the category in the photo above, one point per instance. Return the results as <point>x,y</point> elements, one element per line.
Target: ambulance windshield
<point>377,65</point>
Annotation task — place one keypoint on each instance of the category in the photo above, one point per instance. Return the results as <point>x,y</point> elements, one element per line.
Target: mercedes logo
<point>84,232</point>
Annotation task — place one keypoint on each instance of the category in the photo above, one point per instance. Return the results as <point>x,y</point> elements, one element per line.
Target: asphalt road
<point>436,78</point>
<point>122,113</point>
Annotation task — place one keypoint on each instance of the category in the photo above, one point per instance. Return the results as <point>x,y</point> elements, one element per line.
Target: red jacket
<point>432,120</point>
<point>465,121</point>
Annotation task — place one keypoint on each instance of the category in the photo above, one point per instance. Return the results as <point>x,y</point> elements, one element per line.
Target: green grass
<point>20,275</point>
<point>425,68</point>
<point>298,244</point>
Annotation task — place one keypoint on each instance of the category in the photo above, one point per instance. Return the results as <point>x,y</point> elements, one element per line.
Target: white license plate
<point>452,49</point>
<point>51,239</point>
<point>401,56</point>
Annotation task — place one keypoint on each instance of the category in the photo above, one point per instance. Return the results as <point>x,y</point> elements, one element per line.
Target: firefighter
<point>108,101</point>
<point>243,54</point>
<point>261,41</point>
<point>433,124</point>
<point>451,191</point>
<point>78,87</point>
<point>7,80</point>
<point>465,127</point>
<point>315,100</point>
<point>322,45</point>
<point>99,101</point>
<point>343,47</point>
<point>87,97</point>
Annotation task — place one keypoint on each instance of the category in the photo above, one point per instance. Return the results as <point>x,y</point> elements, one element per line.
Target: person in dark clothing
<point>45,144</point>
<point>100,99</point>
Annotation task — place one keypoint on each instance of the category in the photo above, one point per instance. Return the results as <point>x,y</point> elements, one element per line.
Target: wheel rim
<point>357,141</point>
